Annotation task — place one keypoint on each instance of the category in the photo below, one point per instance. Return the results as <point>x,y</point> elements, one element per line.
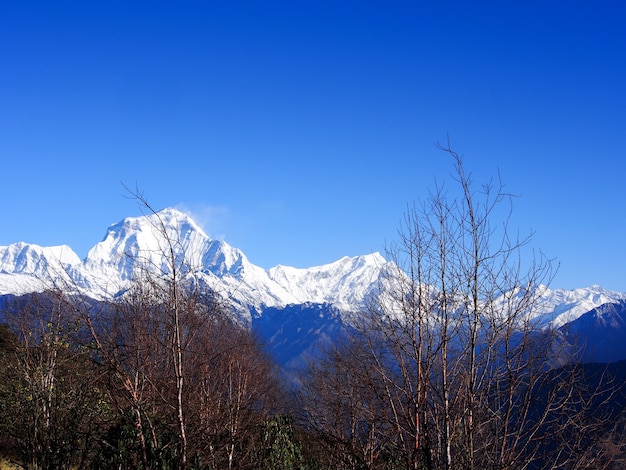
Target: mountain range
<point>293,310</point>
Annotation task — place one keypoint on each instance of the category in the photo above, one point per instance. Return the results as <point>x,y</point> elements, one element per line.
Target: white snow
<point>558,307</point>
<point>138,243</point>
<point>344,283</point>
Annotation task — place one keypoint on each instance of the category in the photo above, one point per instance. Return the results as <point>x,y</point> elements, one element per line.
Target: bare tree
<point>463,370</point>
<point>457,322</point>
<point>145,341</point>
<point>235,389</point>
<point>196,382</point>
<point>342,405</point>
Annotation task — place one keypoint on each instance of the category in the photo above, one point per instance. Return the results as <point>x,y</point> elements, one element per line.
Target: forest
<point>443,368</point>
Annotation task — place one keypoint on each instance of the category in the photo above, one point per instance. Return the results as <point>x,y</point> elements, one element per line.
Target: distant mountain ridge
<point>136,242</point>
<point>340,287</point>
<point>600,334</point>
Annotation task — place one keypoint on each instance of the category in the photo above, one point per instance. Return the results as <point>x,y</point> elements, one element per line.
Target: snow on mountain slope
<point>31,268</point>
<point>344,283</point>
<point>558,307</point>
<point>138,243</point>
<point>141,242</point>
<point>248,286</point>
<point>24,258</point>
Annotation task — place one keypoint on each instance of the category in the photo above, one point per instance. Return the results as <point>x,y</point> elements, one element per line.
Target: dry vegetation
<point>445,371</point>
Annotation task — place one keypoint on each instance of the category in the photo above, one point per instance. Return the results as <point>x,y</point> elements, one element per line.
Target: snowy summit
<point>142,242</point>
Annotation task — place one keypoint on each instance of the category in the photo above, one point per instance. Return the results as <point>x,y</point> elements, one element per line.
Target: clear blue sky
<point>299,131</point>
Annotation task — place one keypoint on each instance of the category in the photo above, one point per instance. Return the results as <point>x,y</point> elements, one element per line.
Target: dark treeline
<point>117,399</point>
<point>67,403</point>
<point>445,368</point>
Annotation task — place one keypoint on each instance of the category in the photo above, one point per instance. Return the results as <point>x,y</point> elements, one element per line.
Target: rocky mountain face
<point>600,334</point>
<point>293,310</point>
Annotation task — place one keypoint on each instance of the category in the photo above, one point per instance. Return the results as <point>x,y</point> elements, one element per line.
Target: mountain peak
<point>559,306</point>
<point>169,221</point>
<point>344,282</point>
<point>137,242</point>
<point>172,217</point>
<point>25,258</point>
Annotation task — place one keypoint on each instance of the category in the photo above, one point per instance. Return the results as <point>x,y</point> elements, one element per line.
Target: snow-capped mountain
<point>344,283</point>
<point>318,295</point>
<point>138,243</point>
<point>558,307</point>
<point>27,268</point>
<point>33,259</point>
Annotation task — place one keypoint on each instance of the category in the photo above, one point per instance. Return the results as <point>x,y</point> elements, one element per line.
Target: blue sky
<point>299,131</point>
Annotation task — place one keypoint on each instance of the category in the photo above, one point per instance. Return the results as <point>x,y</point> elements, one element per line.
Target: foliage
<point>51,402</point>
<point>279,447</point>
